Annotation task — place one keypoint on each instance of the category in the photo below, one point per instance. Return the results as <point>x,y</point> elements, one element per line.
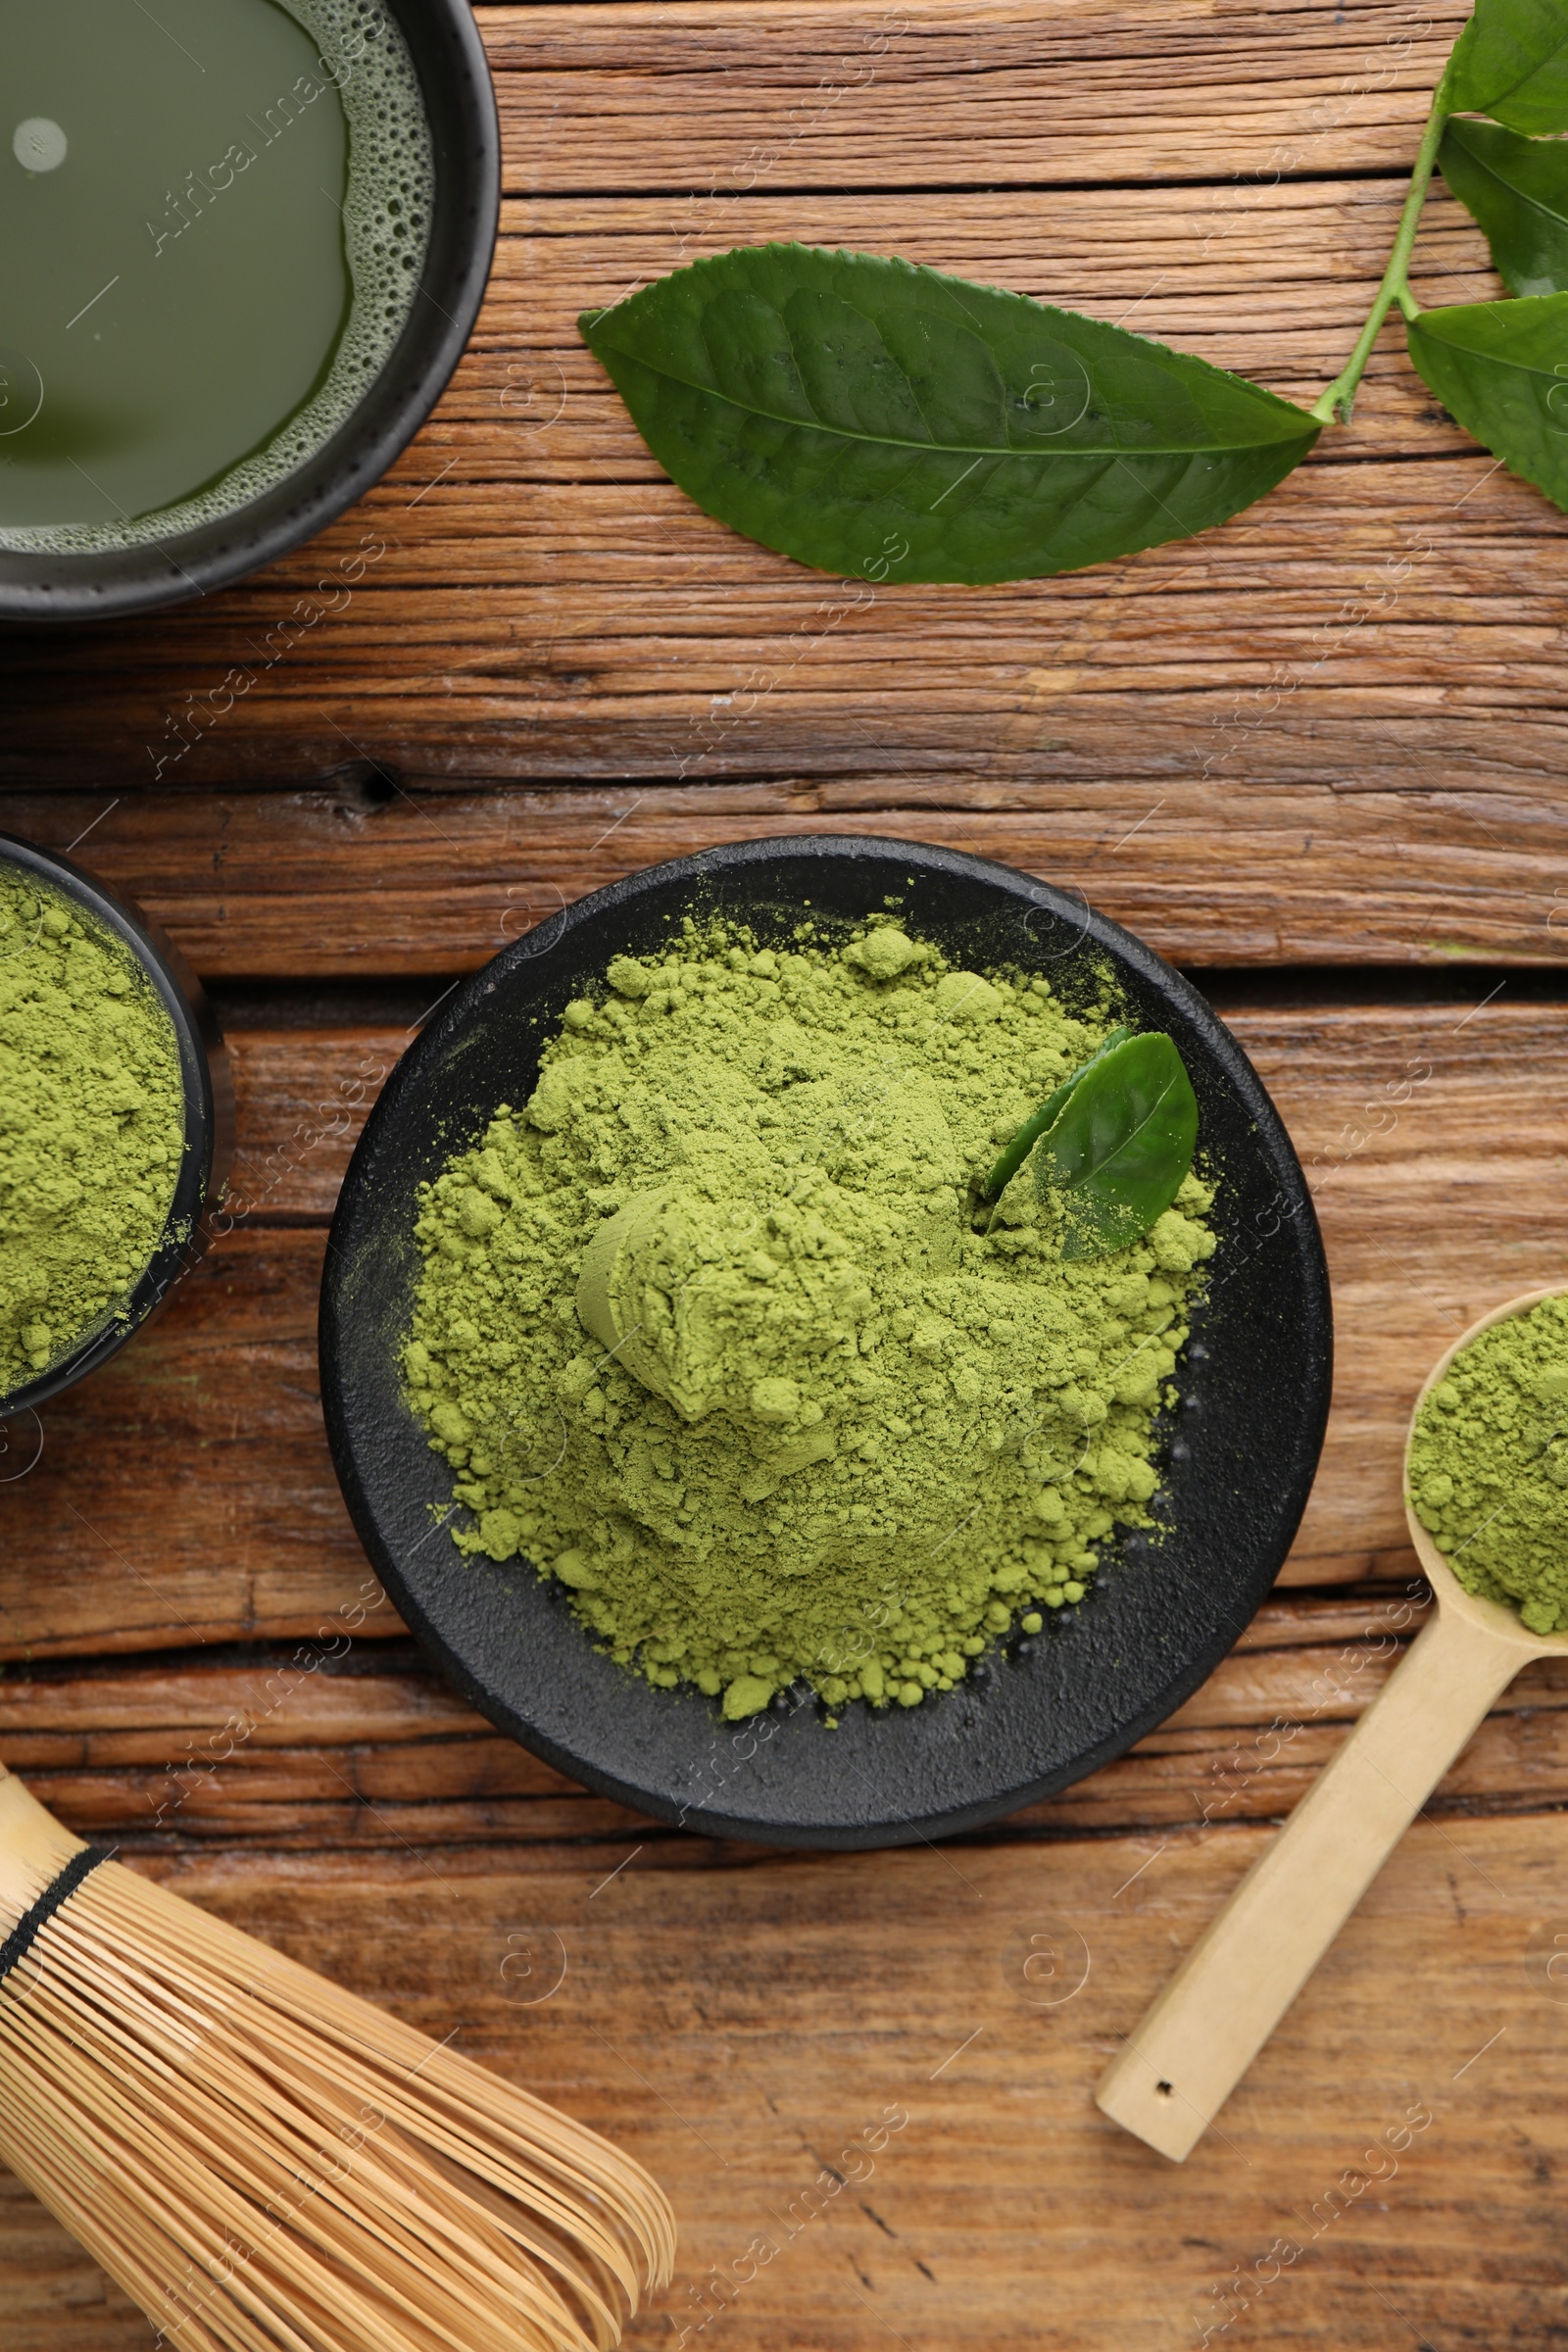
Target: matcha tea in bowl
<point>1486,1504</point>
<point>732,1419</point>
<point>242,245</point>
<point>116,1124</point>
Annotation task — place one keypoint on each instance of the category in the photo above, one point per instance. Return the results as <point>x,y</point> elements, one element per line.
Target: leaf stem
<point>1335,405</point>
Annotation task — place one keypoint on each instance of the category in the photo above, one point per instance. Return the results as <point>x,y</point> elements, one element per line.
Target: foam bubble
<point>39,145</point>
<point>386,217</point>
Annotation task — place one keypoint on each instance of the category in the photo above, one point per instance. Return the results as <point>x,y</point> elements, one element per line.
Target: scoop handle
<point>1181,2064</point>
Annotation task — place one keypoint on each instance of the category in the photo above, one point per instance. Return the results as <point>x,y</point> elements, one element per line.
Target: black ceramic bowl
<point>1239,1462</point>
<point>208,1121</point>
<point>460,103</point>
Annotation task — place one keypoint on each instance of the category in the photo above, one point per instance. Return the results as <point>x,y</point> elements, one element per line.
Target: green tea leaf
<point>886,421</point>
<point>1502,370</point>
<point>1122,1145</point>
<point>1517,189</point>
<point>1511,63</point>
<point>1029,1134</point>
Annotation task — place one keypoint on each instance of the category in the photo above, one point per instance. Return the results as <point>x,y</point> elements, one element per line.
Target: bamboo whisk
<point>266,2163</point>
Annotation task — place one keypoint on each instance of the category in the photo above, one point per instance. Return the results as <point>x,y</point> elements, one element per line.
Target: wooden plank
<point>1433,1155</point>
<point>838,95</point>
<point>186,1492</point>
<point>1430,1133</point>
<point>586,628</point>
<point>395,882</point>
<point>1330,732</point>
<point>527,598</point>
<point>743,2029</point>
<point>328,1750</point>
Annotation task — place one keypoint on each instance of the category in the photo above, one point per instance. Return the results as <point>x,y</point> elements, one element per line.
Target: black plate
<point>1159,1618</point>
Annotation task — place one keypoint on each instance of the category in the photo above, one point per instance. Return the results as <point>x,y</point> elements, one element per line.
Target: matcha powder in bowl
<point>711,1330</point>
<point>92,1125</point>
<point>1487,1465</point>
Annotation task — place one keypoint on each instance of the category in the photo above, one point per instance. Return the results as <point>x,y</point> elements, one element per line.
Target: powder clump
<point>710,1330</point>
<point>1488,1466</point>
<point>91,1125</point>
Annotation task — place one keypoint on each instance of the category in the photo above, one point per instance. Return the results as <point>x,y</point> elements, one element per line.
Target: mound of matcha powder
<point>835,1433</point>
<point>92,1124</point>
<point>1489,1465</point>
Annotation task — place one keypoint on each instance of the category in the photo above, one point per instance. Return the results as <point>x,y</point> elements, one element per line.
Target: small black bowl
<point>1158,1617</point>
<point>461,106</point>
<point>209,1120</point>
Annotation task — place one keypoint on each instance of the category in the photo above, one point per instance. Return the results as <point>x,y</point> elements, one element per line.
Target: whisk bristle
<point>267,2163</point>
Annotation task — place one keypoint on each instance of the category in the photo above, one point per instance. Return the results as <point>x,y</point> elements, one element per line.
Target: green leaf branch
<point>1334,405</point>
<point>873,417</point>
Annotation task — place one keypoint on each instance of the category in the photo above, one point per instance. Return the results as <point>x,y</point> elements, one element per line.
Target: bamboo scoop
<point>1182,2063</point>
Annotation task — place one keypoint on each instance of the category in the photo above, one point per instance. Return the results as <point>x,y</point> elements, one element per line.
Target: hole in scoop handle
<point>1181,2064</point>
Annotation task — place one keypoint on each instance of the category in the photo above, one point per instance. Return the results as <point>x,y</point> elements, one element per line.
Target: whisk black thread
<point>19,1942</point>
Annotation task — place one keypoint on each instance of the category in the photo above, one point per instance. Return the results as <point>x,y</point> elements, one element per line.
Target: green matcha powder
<point>1489,1465</point>
<point>92,1125</point>
<point>845,1433</point>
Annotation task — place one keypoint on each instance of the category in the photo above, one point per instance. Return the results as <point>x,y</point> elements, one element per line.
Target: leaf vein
<point>1115,452</point>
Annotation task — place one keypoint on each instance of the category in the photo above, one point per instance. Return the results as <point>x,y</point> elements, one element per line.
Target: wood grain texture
<point>688,98</point>
<point>365,880</point>
<point>186,1492</point>
<point>325,1748</point>
<point>527,598</point>
<point>746,2029</point>
<point>1330,732</point>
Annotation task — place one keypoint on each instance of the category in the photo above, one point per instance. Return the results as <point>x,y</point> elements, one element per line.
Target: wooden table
<point>1314,757</point>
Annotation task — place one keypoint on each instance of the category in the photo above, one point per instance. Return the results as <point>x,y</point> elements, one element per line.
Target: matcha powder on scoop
<point>1489,1465</point>
<point>713,1332</point>
<point>92,1125</point>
